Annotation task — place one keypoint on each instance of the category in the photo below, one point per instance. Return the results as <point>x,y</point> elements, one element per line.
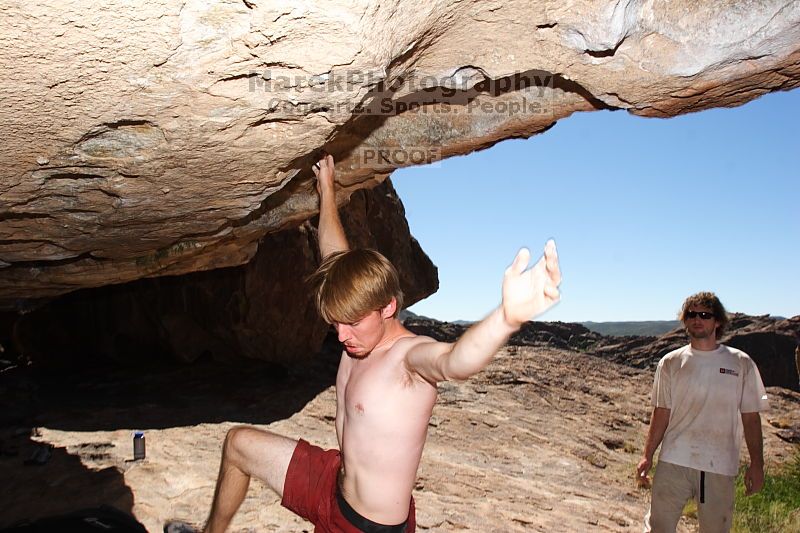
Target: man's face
<point>698,327</point>
<point>361,337</point>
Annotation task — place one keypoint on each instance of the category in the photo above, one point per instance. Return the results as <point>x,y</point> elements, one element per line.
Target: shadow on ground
<point>59,485</point>
<point>107,397</point>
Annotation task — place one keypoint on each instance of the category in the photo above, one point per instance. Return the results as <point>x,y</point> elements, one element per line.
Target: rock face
<point>558,335</point>
<point>261,310</point>
<point>542,440</point>
<point>769,342</point>
<point>144,140</point>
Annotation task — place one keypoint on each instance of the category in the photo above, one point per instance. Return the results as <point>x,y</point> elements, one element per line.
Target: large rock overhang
<point>161,139</point>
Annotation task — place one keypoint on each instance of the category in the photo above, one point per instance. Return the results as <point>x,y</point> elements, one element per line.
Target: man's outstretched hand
<point>323,170</point>
<point>531,292</point>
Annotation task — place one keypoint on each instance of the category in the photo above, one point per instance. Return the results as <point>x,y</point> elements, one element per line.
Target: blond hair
<point>710,301</point>
<point>351,284</point>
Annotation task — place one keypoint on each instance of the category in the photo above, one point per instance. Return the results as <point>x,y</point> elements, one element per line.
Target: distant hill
<point>643,328</point>
<point>652,328</point>
<point>405,314</point>
<point>768,341</point>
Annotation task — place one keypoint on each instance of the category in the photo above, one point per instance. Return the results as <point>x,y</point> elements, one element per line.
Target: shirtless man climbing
<point>385,390</point>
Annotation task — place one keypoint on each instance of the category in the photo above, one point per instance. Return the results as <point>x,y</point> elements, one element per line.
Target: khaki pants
<point>674,485</point>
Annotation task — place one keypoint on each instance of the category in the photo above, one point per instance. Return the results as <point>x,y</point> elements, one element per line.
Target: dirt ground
<point>543,440</point>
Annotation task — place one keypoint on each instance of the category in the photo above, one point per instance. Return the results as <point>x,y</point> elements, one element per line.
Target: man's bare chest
<point>375,389</point>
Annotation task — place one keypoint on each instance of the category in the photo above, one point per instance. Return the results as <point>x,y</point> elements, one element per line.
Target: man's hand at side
<point>753,479</point>
<point>659,420</point>
<point>754,475</point>
<point>642,469</point>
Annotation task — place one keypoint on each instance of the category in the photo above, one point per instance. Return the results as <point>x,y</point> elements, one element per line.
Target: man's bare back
<point>382,414</point>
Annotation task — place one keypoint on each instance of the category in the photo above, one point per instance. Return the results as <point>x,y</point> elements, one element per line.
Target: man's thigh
<point>715,512</point>
<point>310,487</point>
<point>673,485</point>
<point>261,454</point>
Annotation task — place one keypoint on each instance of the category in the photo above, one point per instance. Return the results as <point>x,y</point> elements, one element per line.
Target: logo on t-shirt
<point>728,371</point>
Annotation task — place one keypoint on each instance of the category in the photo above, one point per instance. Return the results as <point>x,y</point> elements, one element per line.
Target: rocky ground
<point>543,440</point>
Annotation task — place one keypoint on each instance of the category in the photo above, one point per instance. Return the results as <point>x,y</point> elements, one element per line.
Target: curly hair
<point>710,301</point>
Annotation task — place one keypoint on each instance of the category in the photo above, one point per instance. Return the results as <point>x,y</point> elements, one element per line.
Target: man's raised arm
<point>331,233</point>
<point>526,293</point>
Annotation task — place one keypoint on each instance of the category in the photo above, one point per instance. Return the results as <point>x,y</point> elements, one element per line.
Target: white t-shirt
<point>706,392</point>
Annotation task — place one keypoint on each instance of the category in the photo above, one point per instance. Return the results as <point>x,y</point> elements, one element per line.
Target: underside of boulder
<point>262,310</point>
<point>163,138</point>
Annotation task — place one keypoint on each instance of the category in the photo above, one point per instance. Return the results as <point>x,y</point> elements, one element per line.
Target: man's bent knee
<point>258,452</point>
<point>238,441</point>
<point>234,437</point>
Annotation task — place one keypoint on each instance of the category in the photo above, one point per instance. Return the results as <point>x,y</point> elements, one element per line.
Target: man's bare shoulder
<point>410,341</point>
<point>409,348</point>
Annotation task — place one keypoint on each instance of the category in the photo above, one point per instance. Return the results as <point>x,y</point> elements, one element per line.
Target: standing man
<point>699,394</point>
<point>385,390</point>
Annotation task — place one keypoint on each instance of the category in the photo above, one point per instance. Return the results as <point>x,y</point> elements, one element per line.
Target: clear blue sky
<point>644,213</point>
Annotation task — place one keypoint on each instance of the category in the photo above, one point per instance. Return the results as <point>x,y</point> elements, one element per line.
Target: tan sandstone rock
<point>261,310</point>
<point>542,440</point>
<point>160,138</point>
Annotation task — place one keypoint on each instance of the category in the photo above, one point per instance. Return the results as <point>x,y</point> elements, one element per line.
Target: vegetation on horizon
<point>652,328</point>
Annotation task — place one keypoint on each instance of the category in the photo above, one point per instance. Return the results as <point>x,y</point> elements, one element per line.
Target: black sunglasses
<point>705,315</point>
